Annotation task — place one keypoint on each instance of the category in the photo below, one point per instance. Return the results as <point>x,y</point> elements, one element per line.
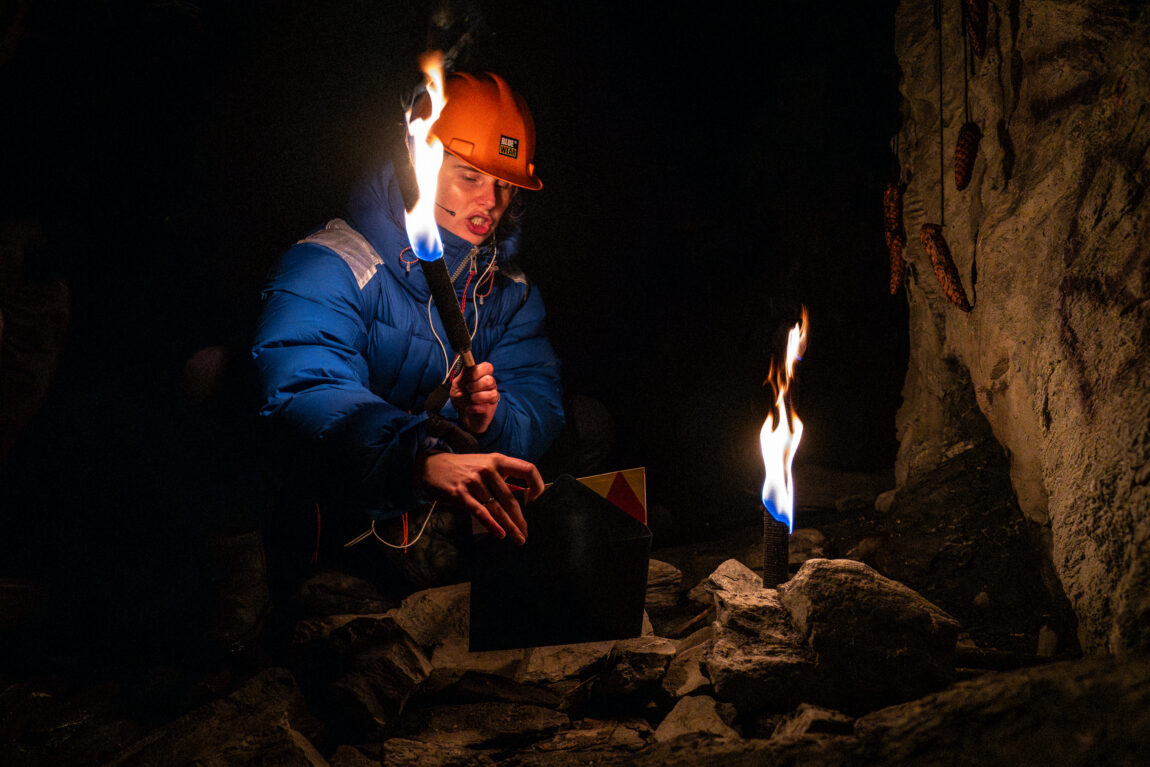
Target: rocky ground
<point>915,629</point>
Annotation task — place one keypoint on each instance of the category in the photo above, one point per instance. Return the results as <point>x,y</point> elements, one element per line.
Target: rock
<point>263,722</point>
<point>431,616</point>
<point>885,501</point>
<point>867,550</point>
<point>981,600</point>
<point>693,749</point>
<point>50,722</point>
<point>663,581</point>
<point>439,620</point>
<point>310,632</point>
<point>346,756</point>
<point>329,592</point>
<point>593,737</point>
<point>876,640</point>
<point>699,594</point>
<point>473,725</point>
<point>694,714</point>
<point>757,660</point>
<point>1047,642</point>
<point>547,665</point>
<point>635,666</point>
<point>402,752</point>
<point>1084,712</point>
<point>685,674</point>
<point>382,674</point>
<point>733,576</point>
<point>697,637</point>
<point>806,543</point>
<point>808,719</point>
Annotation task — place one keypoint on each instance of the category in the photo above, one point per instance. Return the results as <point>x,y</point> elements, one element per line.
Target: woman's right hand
<point>477,481</point>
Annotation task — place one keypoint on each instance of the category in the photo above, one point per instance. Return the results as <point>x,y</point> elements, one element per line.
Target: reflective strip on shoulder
<point>338,236</point>
<point>512,272</point>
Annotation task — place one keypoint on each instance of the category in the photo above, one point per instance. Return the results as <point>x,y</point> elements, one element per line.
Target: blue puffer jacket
<point>346,355</point>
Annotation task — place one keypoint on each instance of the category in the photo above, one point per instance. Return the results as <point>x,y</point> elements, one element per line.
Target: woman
<point>349,347</point>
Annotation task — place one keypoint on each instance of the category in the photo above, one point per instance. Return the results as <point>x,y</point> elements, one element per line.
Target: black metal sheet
<point>581,576</point>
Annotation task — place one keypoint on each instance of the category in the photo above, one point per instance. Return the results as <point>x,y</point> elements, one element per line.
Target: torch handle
<point>443,294</point>
<point>776,550</point>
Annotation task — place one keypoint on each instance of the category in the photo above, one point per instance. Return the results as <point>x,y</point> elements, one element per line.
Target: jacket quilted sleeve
<point>530,411</point>
<point>315,382</point>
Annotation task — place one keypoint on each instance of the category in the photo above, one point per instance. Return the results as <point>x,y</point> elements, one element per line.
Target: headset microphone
<point>449,210</point>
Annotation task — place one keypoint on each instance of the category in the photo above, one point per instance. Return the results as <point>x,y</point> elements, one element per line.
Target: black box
<point>581,576</point>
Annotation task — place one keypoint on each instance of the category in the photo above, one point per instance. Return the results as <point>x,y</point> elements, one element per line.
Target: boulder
<point>439,620</point>
<point>695,714</point>
<point>556,663</point>
<point>476,725</point>
<point>403,752</point>
<point>383,667</point>
<point>686,674</point>
<point>757,660</point>
<point>1084,712</point>
<point>663,582</point>
<point>330,592</point>
<point>876,640</point>
<point>592,740</point>
<point>265,721</point>
<point>809,719</point>
<point>635,666</point>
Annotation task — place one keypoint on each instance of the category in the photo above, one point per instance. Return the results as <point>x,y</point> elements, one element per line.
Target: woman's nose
<point>486,193</point>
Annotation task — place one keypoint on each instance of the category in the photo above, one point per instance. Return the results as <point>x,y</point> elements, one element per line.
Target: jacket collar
<point>376,210</point>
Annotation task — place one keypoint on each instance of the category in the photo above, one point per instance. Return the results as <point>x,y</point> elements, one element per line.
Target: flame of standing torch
<point>781,432</point>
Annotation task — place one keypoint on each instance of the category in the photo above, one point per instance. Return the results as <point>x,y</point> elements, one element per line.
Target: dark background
<point>707,169</point>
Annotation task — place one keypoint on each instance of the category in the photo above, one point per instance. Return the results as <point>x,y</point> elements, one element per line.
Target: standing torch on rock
<point>779,439</point>
<point>944,268</point>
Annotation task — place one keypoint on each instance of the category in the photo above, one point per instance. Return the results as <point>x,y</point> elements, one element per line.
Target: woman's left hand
<point>477,481</point>
<point>475,397</point>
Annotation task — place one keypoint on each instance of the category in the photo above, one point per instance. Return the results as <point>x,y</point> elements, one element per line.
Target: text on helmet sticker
<point>509,147</point>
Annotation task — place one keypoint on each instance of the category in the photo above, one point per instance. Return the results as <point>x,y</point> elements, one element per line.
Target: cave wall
<point>1052,244</point>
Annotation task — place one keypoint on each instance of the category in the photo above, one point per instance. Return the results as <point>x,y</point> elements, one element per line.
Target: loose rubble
<point>840,665</point>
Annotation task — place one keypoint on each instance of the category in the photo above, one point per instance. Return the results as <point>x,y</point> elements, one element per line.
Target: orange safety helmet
<point>489,127</point>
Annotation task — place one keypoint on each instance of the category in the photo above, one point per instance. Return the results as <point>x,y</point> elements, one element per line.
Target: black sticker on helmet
<point>509,147</point>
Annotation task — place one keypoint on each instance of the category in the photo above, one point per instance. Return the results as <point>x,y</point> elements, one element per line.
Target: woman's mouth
<point>479,225</point>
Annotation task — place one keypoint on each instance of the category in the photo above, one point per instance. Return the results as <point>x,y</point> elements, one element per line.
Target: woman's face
<point>470,203</point>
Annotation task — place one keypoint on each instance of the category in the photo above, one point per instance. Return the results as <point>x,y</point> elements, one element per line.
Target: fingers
<point>500,507</point>
<point>524,470</point>
<point>475,395</point>
<point>475,379</point>
<point>479,483</point>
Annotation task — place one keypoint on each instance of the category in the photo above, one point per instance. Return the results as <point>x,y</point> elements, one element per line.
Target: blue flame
<point>427,244</point>
<point>771,505</point>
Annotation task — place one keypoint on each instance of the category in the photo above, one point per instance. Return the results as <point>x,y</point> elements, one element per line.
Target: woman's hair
<point>512,218</point>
